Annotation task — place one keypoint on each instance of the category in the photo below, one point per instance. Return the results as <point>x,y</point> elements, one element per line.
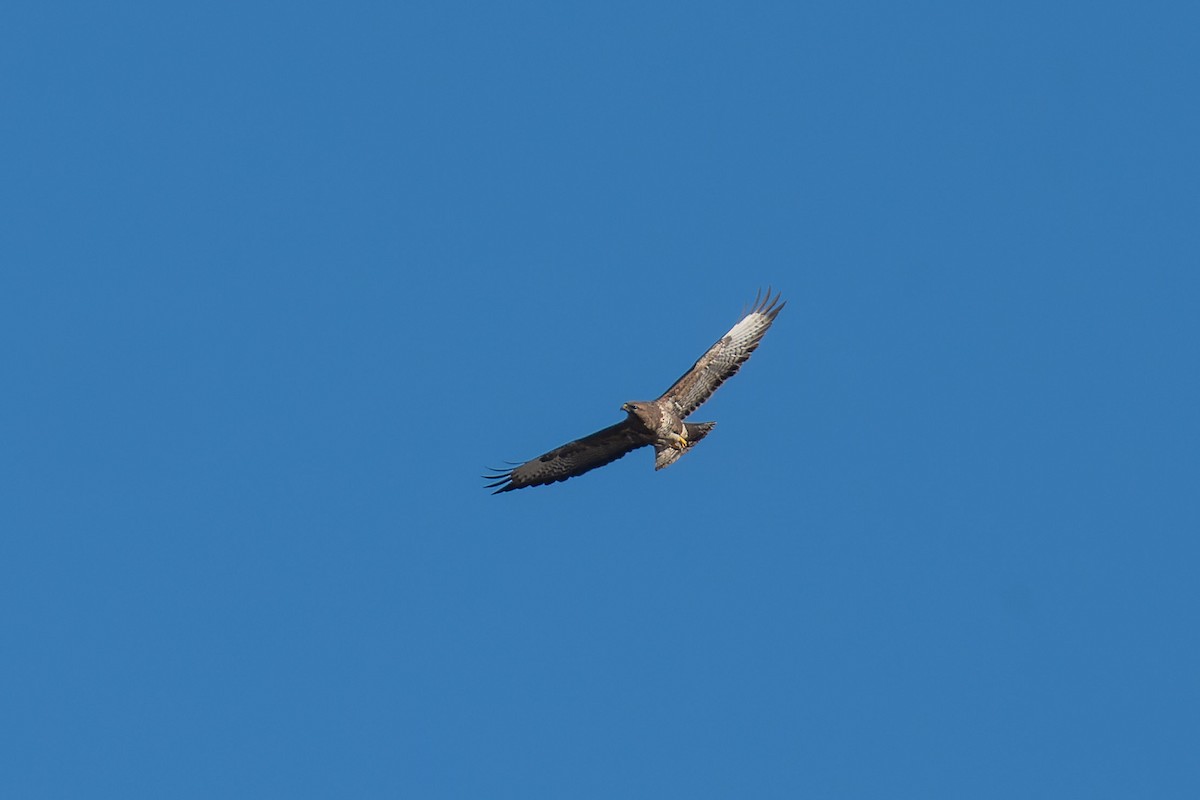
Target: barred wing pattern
<point>725,357</point>
<point>573,458</point>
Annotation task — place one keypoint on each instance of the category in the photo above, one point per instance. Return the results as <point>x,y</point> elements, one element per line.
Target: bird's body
<point>660,422</point>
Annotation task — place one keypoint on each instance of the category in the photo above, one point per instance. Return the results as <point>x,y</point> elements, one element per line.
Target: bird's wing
<point>573,458</point>
<point>725,357</point>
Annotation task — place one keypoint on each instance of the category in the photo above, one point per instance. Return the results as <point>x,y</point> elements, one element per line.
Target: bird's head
<point>637,409</point>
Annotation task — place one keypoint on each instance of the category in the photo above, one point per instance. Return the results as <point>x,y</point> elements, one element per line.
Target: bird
<point>651,422</point>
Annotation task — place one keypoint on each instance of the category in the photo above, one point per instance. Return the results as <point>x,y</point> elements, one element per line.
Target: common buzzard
<point>659,422</point>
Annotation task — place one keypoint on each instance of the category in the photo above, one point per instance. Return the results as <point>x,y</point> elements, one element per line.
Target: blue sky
<point>280,280</point>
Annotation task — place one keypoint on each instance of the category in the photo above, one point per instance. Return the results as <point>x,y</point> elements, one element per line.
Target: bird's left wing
<point>724,358</point>
<point>573,458</point>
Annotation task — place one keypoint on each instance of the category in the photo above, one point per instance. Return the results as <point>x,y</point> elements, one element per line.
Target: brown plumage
<point>659,422</point>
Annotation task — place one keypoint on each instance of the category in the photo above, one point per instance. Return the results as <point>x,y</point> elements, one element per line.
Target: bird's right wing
<point>573,458</point>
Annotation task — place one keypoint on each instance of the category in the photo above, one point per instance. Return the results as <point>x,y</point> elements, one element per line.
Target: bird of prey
<point>656,422</point>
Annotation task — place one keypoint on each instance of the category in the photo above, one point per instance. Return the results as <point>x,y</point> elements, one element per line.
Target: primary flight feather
<point>658,422</point>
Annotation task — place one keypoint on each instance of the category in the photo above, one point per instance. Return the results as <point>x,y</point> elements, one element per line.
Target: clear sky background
<point>279,280</point>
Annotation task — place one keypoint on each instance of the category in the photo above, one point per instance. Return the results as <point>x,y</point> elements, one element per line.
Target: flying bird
<point>655,422</point>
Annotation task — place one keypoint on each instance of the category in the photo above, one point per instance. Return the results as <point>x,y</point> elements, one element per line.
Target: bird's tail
<point>666,456</point>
